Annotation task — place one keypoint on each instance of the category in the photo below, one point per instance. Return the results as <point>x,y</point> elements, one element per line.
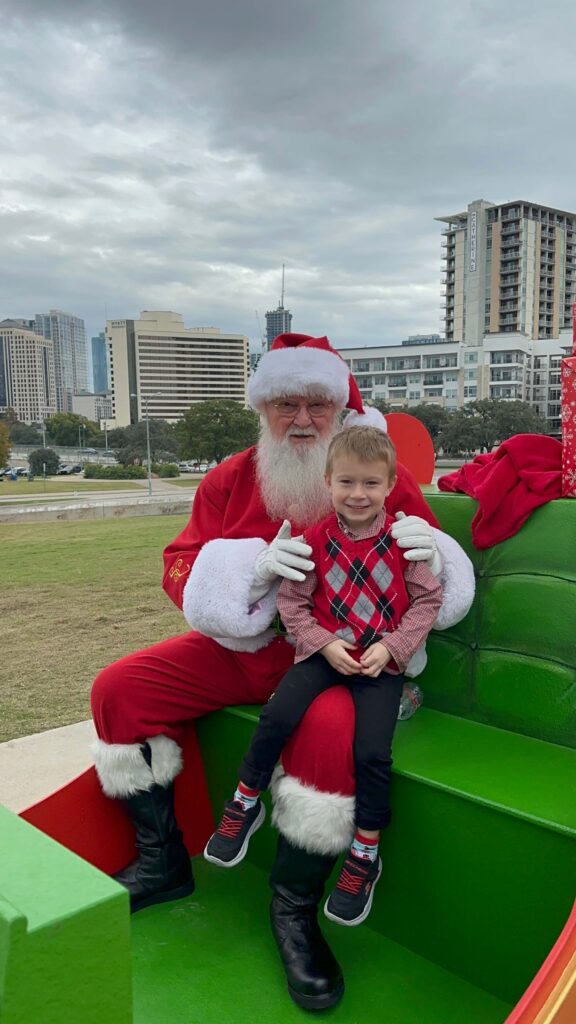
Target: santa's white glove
<point>283,557</point>
<point>417,536</point>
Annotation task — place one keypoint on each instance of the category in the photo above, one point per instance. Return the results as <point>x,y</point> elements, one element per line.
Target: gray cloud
<point>175,155</point>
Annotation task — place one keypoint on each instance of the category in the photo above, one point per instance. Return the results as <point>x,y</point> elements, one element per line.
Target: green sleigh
<point>473,918</point>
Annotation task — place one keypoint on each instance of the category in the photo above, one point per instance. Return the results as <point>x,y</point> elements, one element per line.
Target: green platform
<point>211,958</point>
<point>479,862</point>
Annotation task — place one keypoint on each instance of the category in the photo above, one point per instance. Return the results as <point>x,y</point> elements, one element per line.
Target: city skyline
<point>174,158</point>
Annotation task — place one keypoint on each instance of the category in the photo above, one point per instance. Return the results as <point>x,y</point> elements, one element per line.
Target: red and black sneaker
<point>351,901</point>
<point>229,843</point>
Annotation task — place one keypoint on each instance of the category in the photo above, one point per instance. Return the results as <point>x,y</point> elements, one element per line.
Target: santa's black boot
<point>314,976</point>
<point>162,872</point>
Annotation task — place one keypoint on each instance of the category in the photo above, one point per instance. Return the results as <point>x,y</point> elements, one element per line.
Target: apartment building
<point>508,269</point>
<point>510,367</point>
<point>160,368</point>
<point>27,377</point>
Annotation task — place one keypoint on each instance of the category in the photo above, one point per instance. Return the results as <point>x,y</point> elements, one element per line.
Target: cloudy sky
<point>172,155</point>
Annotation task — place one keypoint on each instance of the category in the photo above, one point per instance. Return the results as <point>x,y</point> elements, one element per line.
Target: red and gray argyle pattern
<point>360,590</point>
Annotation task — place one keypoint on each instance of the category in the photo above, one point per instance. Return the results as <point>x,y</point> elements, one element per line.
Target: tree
<point>460,433</point>
<point>41,457</point>
<point>211,430</point>
<point>4,445</point>
<point>129,443</point>
<point>497,420</point>
<point>434,418</point>
<point>68,428</point>
<point>22,433</point>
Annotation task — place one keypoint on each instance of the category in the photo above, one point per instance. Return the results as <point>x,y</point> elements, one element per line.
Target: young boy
<point>358,618</point>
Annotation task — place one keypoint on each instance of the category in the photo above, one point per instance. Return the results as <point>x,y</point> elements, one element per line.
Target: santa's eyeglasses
<point>289,410</point>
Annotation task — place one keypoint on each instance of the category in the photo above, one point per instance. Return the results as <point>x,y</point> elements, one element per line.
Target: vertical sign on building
<point>473,239</point>
<point>568,412</point>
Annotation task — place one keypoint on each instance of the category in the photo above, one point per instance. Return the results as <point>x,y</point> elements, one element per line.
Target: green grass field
<point>76,596</point>
<point>21,488</point>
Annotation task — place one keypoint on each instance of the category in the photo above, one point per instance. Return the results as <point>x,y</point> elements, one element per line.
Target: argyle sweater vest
<point>360,595</point>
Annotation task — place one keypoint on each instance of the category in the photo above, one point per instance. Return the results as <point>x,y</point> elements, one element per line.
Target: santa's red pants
<point>158,690</point>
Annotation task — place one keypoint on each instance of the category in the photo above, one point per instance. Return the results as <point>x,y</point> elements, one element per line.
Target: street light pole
<point>149,461</point>
<point>144,399</point>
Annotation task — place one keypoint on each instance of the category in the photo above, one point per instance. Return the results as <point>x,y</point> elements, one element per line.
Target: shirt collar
<point>366,531</point>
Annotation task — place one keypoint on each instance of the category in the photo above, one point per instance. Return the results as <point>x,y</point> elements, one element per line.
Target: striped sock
<point>364,848</point>
<point>245,797</point>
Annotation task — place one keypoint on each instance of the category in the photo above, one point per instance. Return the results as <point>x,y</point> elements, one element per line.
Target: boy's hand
<point>374,659</point>
<point>337,656</point>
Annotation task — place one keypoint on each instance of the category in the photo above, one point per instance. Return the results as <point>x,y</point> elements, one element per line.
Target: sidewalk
<point>32,767</point>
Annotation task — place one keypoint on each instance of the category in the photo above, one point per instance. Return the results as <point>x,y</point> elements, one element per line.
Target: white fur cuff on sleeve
<point>216,598</point>
<point>457,579</point>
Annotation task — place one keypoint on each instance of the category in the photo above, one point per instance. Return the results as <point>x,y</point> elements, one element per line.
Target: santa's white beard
<point>291,479</point>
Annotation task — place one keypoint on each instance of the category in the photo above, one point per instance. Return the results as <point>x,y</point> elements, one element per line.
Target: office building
<point>93,407</point>
<point>157,363</point>
<point>68,334</point>
<point>27,378</point>
<point>99,364</point>
<point>508,269</point>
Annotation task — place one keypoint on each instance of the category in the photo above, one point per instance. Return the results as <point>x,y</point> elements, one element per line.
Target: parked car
<point>185,467</point>
<point>64,470</point>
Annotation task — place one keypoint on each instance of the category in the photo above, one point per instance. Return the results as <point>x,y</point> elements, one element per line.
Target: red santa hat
<point>299,365</point>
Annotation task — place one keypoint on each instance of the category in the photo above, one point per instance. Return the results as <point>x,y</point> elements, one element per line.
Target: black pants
<point>376,703</point>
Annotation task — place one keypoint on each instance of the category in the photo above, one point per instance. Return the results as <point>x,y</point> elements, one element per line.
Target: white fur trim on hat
<point>299,371</point>
<point>371,417</point>
<point>317,822</point>
<point>216,598</point>
<point>123,771</point>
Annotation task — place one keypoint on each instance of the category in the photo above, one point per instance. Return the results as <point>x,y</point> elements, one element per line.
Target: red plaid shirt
<point>296,607</point>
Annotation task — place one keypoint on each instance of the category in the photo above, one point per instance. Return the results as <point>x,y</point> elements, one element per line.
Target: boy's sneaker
<point>229,843</point>
<point>351,901</point>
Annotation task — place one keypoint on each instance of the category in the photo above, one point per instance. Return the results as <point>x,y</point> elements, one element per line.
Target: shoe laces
<point>351,881</point>
<point>230,825</point>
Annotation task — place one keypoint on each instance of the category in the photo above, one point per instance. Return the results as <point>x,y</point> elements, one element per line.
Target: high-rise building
<point>278,321</point>
<point>27,379</point>
<point>508,269</point>
<point>68,334</point>
<point>99,364</point>
<point>159,365</point>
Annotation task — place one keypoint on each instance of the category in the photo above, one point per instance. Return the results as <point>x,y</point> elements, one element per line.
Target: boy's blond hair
<point>368,444</point>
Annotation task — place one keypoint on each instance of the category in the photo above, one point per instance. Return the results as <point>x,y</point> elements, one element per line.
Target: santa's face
<point>301,420</point>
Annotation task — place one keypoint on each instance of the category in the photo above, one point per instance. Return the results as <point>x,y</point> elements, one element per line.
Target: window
<point>470,357</point>
<point>470,391</point>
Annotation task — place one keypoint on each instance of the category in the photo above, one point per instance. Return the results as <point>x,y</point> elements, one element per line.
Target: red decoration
<point>568,380</point>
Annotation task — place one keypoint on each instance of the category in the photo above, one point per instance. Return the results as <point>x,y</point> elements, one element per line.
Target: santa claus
<point>224,570</point>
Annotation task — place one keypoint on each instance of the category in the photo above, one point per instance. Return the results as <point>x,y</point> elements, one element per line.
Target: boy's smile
<point>359,489</point>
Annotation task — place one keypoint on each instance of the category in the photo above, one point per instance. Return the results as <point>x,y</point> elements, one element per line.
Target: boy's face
<point>359,489</point>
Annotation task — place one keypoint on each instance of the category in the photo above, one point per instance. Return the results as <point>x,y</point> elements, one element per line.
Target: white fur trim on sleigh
<point>216,598</point>
<point>123,771</point>
<point>299,371</point>
<point>457,579</point>
<point>317,822</point>
<point>417,663</point>
<point>371,417</point>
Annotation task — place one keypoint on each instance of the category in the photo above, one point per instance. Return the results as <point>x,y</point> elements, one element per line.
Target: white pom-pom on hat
<point>370,417</point>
